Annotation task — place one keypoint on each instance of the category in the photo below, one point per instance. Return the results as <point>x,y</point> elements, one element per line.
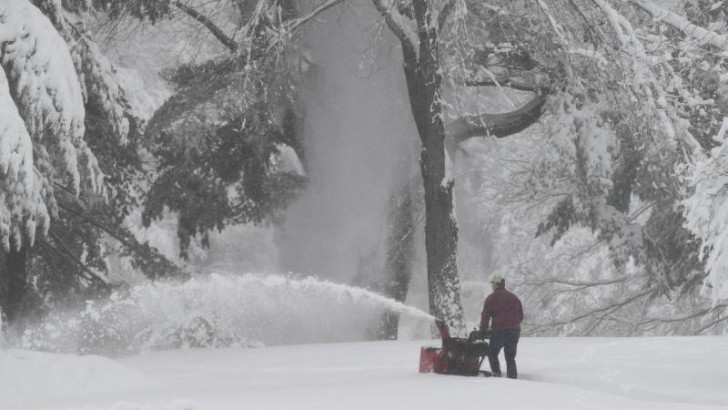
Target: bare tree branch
<point>497,125</point>
<point>688,317</point>
<point>711,324</point>
<point>595,312</point>
<point>318,10</point>
<point>397,23</point>
<point>66,253</point>
<point>84,215</point>
<point>214,29</point>
<point>508,83</point>
<point>578,284</point>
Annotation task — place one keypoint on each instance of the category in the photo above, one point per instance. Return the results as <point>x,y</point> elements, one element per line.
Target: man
<point>503,311</point>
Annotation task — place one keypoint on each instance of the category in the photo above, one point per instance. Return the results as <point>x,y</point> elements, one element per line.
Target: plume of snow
<point>217,310</point>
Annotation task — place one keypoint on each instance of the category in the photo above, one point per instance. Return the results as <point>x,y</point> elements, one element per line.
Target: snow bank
<point>662,373</point>
<point>175,405</point>
<point>24,374</point>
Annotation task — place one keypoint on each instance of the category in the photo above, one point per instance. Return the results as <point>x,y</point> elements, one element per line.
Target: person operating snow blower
<point>501,318</point>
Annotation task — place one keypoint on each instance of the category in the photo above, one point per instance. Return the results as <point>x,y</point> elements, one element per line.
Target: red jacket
<point>504,308</point>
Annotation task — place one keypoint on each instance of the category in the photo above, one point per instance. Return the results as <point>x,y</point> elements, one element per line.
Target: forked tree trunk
<point>422,71</point>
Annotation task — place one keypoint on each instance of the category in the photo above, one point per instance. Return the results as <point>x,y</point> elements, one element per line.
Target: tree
<point>655,111</point>
<point>616,123</point>
<point>422,29</point>
<point>618,114</point>
<point>230,130</point>
<point>43,100</point>
<point>418,31</point>
<point>67,111</point>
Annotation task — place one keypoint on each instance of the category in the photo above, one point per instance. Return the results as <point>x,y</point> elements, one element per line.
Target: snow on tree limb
<point>45,88</point>
<point>21,207</point>
<point>43,83</point>
<point>706,213</point>
<point>702,35</point>
<point>447,10</point>
<point>97,76</point>
<point>649,86</point>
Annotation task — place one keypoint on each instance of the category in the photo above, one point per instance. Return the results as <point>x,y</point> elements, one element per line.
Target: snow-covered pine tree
<point>42,90</point>
<point>68,102</point>
<point>114,133</point>
<point>233,122</point>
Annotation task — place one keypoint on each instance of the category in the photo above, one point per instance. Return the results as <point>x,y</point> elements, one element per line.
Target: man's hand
<point>479,334</point>
<point>485,333</point>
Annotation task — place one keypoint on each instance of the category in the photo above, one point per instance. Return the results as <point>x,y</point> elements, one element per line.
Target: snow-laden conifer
<point>21,206</point>
<point>96,75</point>
<point>45,88</point>
<point>706,212</point>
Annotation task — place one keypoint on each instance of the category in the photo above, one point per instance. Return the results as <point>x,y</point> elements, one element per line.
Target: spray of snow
<point>357,130</point>
<point>217,310</point>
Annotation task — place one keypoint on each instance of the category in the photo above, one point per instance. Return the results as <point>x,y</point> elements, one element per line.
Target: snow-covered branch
<point>46,89</point>
<point>595,312</point>
<point>97,76</point>
<point>702,35</point>
<point>693,315</point>
<point>496,125</point>
<point>445,13</point>
<point>579,285</point>
<point>21,207</point>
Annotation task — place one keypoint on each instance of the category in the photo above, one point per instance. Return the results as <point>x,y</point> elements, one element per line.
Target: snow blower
<point>458,355</point>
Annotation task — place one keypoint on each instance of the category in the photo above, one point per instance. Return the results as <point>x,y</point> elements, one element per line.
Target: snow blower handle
<point>479,335</point>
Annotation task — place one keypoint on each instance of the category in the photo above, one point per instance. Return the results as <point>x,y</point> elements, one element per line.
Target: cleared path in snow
<point>556,373</point>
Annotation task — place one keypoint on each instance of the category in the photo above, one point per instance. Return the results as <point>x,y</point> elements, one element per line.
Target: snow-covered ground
<point>556,373</point>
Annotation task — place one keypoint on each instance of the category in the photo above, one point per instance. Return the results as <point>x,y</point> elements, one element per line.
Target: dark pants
<point>506,339</point>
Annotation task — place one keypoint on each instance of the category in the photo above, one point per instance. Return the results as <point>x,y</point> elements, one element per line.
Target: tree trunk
<point>422,71</point>
<point>16,290</point>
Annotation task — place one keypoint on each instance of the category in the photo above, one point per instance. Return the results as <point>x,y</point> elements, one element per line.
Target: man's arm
<point>486,314</point>
<point>520,311</point>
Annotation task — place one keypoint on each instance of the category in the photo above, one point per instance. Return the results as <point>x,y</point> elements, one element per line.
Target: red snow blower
<point>458,355</point>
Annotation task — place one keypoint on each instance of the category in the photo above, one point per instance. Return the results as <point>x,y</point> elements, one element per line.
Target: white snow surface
<point>556,373</point>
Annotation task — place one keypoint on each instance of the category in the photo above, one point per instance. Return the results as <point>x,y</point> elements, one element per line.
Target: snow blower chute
<point>457,355</point>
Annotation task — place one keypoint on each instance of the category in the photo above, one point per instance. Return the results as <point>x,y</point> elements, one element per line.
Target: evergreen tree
<point>227,141</point>
<point>66,110</point>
